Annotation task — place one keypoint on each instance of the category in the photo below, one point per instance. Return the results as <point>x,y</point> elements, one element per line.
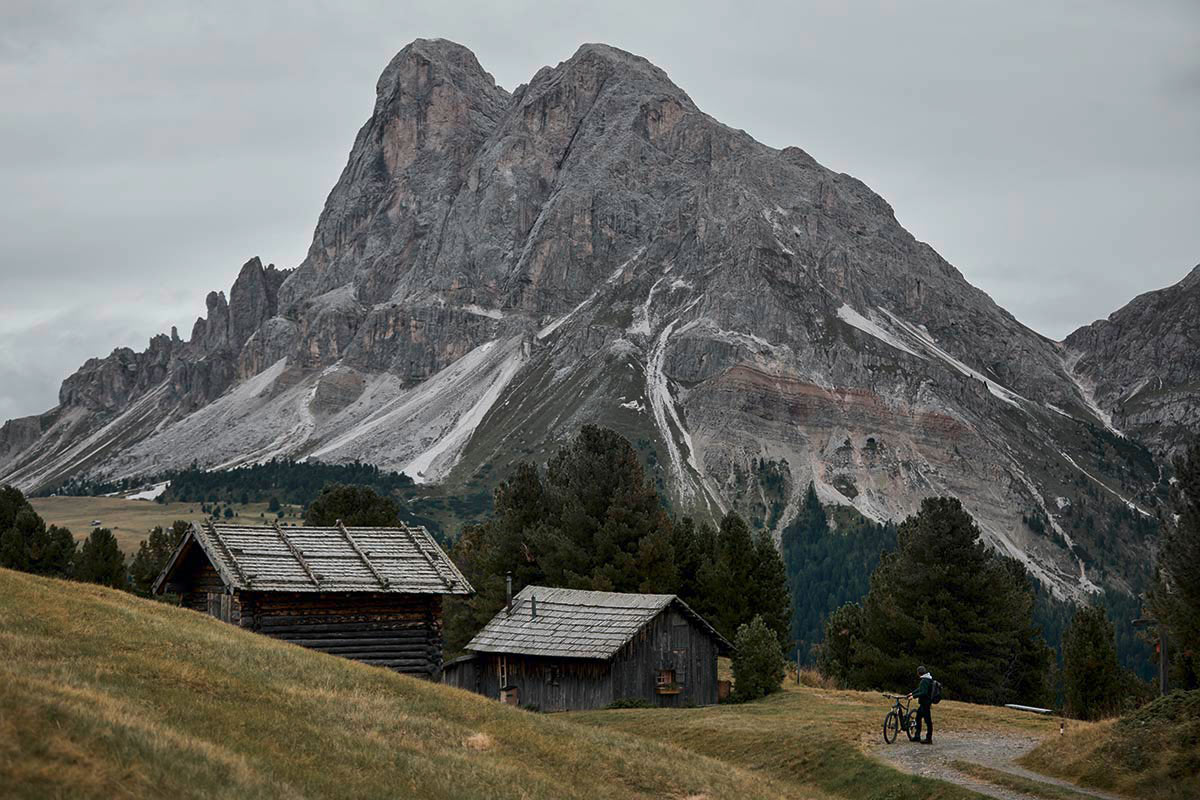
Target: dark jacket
<point>924,690</point>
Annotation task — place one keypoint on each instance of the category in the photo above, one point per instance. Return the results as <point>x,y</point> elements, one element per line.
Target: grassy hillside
<point>817,739</point>
<point>103,694</point>
<point>1152,752</point>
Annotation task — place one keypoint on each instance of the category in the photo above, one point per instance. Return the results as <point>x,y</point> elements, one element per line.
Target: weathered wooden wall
<point>669,641</point>
<point>550,684</point>
<point>200,587</point>
<point>388,629</point>
<point>400,631</point>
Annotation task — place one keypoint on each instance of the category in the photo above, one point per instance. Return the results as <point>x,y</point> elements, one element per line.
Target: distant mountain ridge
<point>1143,363</point>
<point>493,270</point>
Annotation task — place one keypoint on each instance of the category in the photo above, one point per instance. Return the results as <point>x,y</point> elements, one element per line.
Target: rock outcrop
<point>1142,365</point>
<point>493,270</point>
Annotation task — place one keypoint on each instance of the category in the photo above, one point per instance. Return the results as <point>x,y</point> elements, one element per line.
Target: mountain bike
<point>900,718</point>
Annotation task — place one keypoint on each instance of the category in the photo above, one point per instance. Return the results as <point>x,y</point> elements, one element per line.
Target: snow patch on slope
<point>1087,391</point>
<point>153,493</point>
<point>440,458</point>
<point>556,324</point>
<point>662,404</point>
<point>927,341</point>
<point>480,311</point>
<point>870,327</point>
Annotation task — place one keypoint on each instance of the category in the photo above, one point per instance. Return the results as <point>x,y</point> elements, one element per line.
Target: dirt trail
<point>995,750</point>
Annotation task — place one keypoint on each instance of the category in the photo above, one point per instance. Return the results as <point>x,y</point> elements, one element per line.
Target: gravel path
<point>997,751</point>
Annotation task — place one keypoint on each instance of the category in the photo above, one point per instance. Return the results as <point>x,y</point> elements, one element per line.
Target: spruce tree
<point>26,543</point>
<point>153,554</point>
<point>945,600</point>
<point>100,560</point>
<point>772,601</point>
<point>1092,677</point>
<point>1175,597</point>
<point>758,664</point>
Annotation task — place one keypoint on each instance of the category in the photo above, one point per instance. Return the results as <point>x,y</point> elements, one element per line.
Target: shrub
<point>758,664</point>
<point>631,702</point>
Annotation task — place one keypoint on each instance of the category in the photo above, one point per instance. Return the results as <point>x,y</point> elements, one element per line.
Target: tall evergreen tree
<point>772,601</point>
<point>1092,678</point>
<point>593,521</point>
<point>695,546</point>
<point>153,554</point>
<point>26,543</point>
<point>945,600</point>
<point>100,560</point>
<point>827,567</point>
<point>1175,597</point>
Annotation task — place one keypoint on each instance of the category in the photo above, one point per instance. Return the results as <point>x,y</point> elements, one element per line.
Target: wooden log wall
<point>399,631</point>
<point>550,684</point>
<point>670,641</point>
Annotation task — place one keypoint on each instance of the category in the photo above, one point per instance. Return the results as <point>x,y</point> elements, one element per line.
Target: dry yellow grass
<point>131,520</point>
<point>818,740</point>
<point>1151,752</point>
<point>103,694</point>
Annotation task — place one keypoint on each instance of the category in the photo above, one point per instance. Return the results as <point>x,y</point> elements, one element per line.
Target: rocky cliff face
<point>493,270</point>
<point>1142,365</point>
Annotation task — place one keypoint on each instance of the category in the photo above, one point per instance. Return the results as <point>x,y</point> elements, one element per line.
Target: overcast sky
<point>1050,150</point>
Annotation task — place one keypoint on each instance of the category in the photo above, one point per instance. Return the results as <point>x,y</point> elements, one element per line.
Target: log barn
<point>370,594</point>
<point>568,649</point>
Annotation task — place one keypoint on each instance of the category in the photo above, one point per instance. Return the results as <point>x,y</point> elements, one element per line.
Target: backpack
<point>935,693</point>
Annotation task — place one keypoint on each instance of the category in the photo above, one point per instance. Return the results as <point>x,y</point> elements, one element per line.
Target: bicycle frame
<point>905,716</point>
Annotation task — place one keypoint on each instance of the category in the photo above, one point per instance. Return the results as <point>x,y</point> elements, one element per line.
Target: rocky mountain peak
<point>491,271</point>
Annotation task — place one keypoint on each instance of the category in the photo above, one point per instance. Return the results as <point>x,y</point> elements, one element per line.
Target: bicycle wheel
<point>891,726</point>
<point>911,720</point>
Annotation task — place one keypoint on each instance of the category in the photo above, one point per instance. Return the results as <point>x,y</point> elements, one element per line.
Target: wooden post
<point>1162,660</point>
<point>1143,622</point>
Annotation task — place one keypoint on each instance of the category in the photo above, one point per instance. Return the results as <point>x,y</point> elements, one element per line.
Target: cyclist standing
<point>924,695</point>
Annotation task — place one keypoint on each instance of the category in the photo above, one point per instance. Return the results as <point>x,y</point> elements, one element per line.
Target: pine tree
<point>1092,677</point>
<point>1175,597</point>
<point>593,521</point>
<point>773,601</point>
<point>153,554</point>
<point>26,543</point>
<point>945,600</point>
<point>100,560</point>
<point>758,665</point>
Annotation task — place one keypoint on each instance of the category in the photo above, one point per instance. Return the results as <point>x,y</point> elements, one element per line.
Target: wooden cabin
<point>370,594</point>
<point>568,649</point>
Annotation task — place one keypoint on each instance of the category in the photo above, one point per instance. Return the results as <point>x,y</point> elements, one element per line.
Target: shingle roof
<point>576,623</point>
<point>338,559</point>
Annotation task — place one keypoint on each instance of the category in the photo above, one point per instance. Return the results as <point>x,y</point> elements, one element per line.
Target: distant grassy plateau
<point>131,520</point>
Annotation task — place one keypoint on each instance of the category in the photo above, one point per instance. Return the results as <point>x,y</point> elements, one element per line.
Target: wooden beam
<point>384,583</point>
<point>312,576</point>
<point>220,544</point>
<point>423,549</point>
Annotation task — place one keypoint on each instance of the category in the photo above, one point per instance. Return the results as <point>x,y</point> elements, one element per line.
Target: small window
<point>665,682</point>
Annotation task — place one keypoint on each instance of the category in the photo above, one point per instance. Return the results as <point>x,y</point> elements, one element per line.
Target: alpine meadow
<point>593,446</point>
